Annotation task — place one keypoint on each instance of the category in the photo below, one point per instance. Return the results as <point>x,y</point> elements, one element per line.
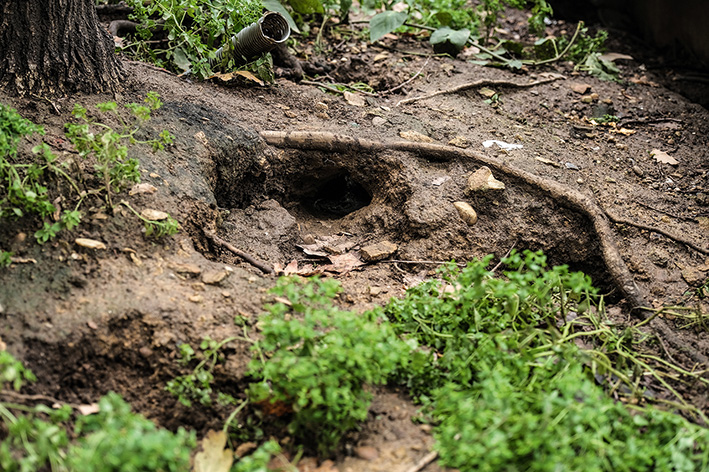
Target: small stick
<point>477,84</point>
<point>403,84</point>
<point>397,261</point>
<point>34,398</point>
<point>420,465</point>
<point>494,269</point>
<point>262,266</point>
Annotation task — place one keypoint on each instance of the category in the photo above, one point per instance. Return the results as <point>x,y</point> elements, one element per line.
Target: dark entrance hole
<point>336,197</point>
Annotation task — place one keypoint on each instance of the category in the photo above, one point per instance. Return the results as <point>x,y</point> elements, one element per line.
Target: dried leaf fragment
<point>213,457</point>
<point>89,243</point>
<point>663,158</point>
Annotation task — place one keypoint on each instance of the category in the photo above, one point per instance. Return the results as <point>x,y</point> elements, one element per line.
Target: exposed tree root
<point>618,270</point>
<point>262,266</point>
<point>571,198</point>
<point>622,221</point>
<point>482,83</point>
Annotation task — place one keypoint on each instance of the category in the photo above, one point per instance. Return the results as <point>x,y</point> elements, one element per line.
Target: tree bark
<point>55,48</point>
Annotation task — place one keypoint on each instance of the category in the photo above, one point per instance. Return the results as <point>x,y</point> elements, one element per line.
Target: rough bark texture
<point>55,48</point>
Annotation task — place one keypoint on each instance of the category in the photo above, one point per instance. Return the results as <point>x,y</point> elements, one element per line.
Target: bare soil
<point>92,321</point>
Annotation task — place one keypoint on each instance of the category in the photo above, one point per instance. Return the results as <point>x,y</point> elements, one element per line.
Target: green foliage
<point>456,15</point>
<point>24,185</point>
<point>115,439</point>
<point>507,387</point>
<point>197,385</point>
<point>258,460</point>
<point>550,416</point>
<point>585,45</point>
<point>188,32</point>
<point>320,359</point>
<point>109,147</point>
<point>13,372</point>
<point>5,258</point>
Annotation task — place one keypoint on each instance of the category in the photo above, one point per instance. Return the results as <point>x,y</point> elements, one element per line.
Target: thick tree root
<point>563,195</point>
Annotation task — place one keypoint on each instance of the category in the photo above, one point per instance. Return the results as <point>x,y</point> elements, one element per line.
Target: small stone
<point>426,428</point>
<point>189,269</point>
<point>213,277</point>
<point>321,107</point>
<point>91,324</point>
<point>466,213</point>
<point>693,276</point>
<point>354,99</point>
<point>89,243</point>
<point>579,180</point>
<point>142,188</point>
<point>378,121</point>
<point>659,257</point>
<point>378,251</point>
<point>482,179</point>
<point>154,215</point>
<point>367,453</point>
<point>145,351</point>
<point>415,136</point>
<point>638,171</point>
<point>196,298</point>
<point>459,141</point>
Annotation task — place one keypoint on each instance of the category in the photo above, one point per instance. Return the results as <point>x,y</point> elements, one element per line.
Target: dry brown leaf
<point>344,263</point>
<point>229,76</point>
<point>663,158</point>
<point>89,243</point>
<point>643,80</point>
<point>213,457</point>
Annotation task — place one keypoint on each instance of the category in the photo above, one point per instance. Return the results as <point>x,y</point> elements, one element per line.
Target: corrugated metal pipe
<point>268,32</point>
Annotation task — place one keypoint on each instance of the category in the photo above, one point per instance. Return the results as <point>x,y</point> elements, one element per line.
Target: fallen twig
<point>262,266</point>
<point>622,221</point>
<point>35,398</point>
<point>420,465</point>
<point>403,84</point>
<point>566,196</point>
<point>480,83</point>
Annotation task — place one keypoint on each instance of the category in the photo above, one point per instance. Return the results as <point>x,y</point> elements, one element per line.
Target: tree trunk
<point>55,48</point>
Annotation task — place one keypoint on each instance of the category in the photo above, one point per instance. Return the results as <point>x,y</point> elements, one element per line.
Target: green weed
<point>114,439</point>
<point>319,360</point>
<point>508,388</point>
<point>183,35</point>
<point>25,183</point>
<point>197,385</point>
